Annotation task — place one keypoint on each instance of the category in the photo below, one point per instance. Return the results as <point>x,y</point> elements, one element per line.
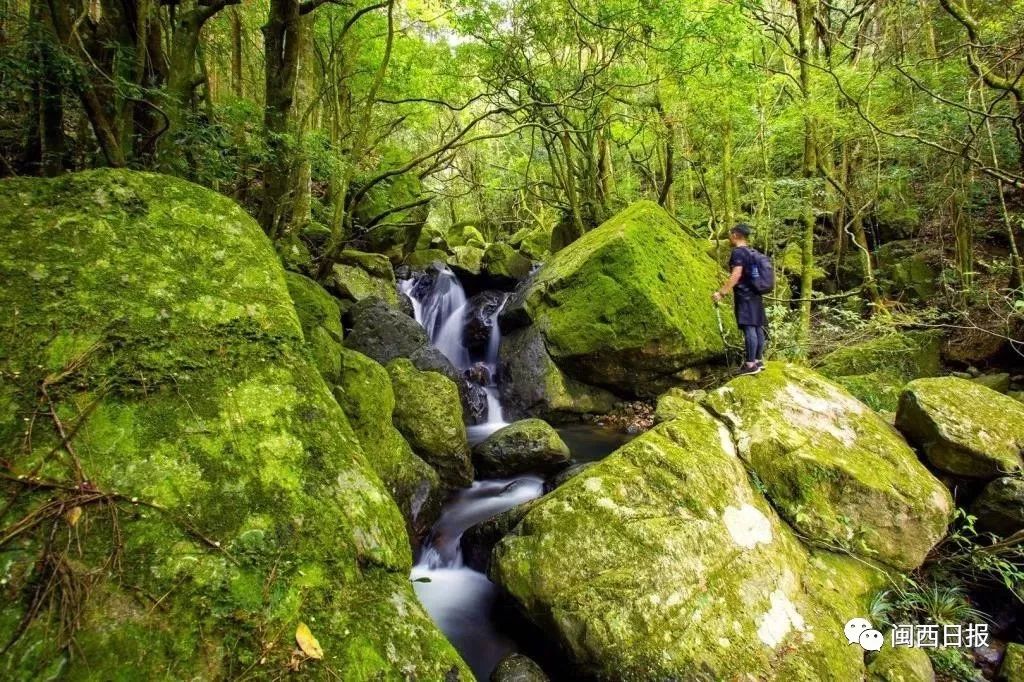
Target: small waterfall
<point>439,304</point>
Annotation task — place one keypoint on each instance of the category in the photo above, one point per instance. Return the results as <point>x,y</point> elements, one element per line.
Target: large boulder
<point>364,392</point>
<point>833,468</point>
<point>662,562</point>
<point>1000,506</point>
<point>876,370</point>
<point>478,541</point>
<point>429,414</point>
<point>526,445</point>
<point>502,262</point>
<point>907,272</point>
<point>962,427</point>
<point>211,496</point>
<point>532,384</point>
<point>320,318</point>
<point>359,275</point>
<point>466,259</point>
<point>628,304</point>
<point>383,332</point>
<point>901,664</point>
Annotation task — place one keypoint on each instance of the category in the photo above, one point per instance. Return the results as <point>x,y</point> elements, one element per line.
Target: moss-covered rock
<point>1000,507</point>
<point>429,414</point>
<point>518,668</point>
<point>383,332</point>
<point>423,259</point>
<point>627,305</point>
<point>997,381</point>
<point>525,445</point>
<point>905,271</point>
<point>364,392</point>
<point>963,427</point>
<point>876,370</point>
<point>662,562</point>
<point>1012,669</point>
<point>901,664</point>
<point>673,404</point>
<point>227,498</point>
<point>320,318</point>
<point>478,541</point>
<point>359,275</point>
<point>466,259</point>
<point>532,384</point>
<point>834,468</point>
<point>501,261</point>
<point>534,243</point>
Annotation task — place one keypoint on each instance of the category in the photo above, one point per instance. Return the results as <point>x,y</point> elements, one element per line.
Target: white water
<point>458,598</point>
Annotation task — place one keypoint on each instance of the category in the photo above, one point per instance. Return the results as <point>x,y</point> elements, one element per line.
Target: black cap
<point>743,229</point>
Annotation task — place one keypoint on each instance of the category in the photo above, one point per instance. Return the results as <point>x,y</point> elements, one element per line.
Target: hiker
<point>748,280</point>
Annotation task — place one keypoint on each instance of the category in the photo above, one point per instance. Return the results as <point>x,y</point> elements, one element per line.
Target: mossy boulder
<point>876,370</point>
<point>365,394</point>
<point>672,404</point>
<point>358,275</point>
<point>525,445</point>
<point>532,384</point>
<point>383,332</point>
<point>834,469</point>
<point>963,427</point>
<point>901,664</point>
<point>423,259</point>
<point>1012,669</point>
<point>628,304</point>
<point>997,381</point>
<point>478,541</point>
<point>534,243</point>
<point>662,562</point>
<point>466,259</point>
<point>429,414</point>
<point>1000,507</point>
<point>462,235</point>
<point>320,318</point>
<point>213,495</point>
<point>501,261</point>
<point>907,272</point>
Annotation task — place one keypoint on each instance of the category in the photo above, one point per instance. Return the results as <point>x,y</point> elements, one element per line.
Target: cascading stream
<point>458,598</point>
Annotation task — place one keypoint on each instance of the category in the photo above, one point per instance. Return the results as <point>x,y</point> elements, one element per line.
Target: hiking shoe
<point>749,369</point>
<point>759,363</point>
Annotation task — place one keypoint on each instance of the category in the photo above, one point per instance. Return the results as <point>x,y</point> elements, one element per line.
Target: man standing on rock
<point>749,304</point>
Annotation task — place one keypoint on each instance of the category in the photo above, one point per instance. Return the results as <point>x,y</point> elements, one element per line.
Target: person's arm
<point>734,279</point>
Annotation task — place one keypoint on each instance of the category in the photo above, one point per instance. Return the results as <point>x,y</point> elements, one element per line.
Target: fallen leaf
<point>307,642</point>
<point>73,515</point>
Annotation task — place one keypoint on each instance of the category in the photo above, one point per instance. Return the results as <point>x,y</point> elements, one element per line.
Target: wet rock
<point>526,445</point>
<point>479,374</point>
<point>480,320</point>
<point>478,541</point>
<point>564,475</point>
<point>616,565</point>
<point>405,304</point>
<point>515,315</point>
<point>382,332</point>
<point>429,414</point>
<point>532,384</point>
<point>423,259</point>
<point>962,427</point>
<point>1000,507</point>
<point>833,468</point>
<point>626,305</point>
<point>518,668</point>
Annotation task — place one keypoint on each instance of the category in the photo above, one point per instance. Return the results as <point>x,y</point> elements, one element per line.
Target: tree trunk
<point>805,17</point>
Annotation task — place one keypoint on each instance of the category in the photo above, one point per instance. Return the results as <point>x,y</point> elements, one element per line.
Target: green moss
<point>364,392</point>
<point>359,275</point>
<point>420,260</point>
<point>834,468</point>
<point>901,664</point>
<point>674,404</point>
<point>963,427</point>
<point>320,318</point>
<point>525,445</point>
<point>466,258</point>
<point>501,260</point>
<point>627,305</point>
<point>428,412</point>
<point>1012,669</point>
<point>187,387</point>
<point>662,562</point>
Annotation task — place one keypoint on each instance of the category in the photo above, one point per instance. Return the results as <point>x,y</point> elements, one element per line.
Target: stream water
<point>461,600</point>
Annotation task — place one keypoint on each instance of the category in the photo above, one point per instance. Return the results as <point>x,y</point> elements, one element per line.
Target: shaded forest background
<point>876,145</point>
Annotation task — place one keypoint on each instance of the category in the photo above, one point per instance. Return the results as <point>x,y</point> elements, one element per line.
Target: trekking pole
<point>721,331</point>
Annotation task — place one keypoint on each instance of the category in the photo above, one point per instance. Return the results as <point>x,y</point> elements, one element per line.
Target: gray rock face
<point>1000,507</point>
<point>478,542</point>
<point>383,333</point>
<point>526,445</point>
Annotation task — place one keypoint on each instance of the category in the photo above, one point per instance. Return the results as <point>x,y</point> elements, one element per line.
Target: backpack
<point>760,272</point>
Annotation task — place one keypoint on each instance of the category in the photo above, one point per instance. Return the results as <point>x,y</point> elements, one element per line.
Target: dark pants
<point>753,341</point>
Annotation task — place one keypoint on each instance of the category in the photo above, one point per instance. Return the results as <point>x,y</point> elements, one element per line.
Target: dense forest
<point>306,297</point>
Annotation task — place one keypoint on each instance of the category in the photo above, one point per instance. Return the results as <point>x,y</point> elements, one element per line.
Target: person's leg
<point>750,342</point>
<point>759,354</point>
